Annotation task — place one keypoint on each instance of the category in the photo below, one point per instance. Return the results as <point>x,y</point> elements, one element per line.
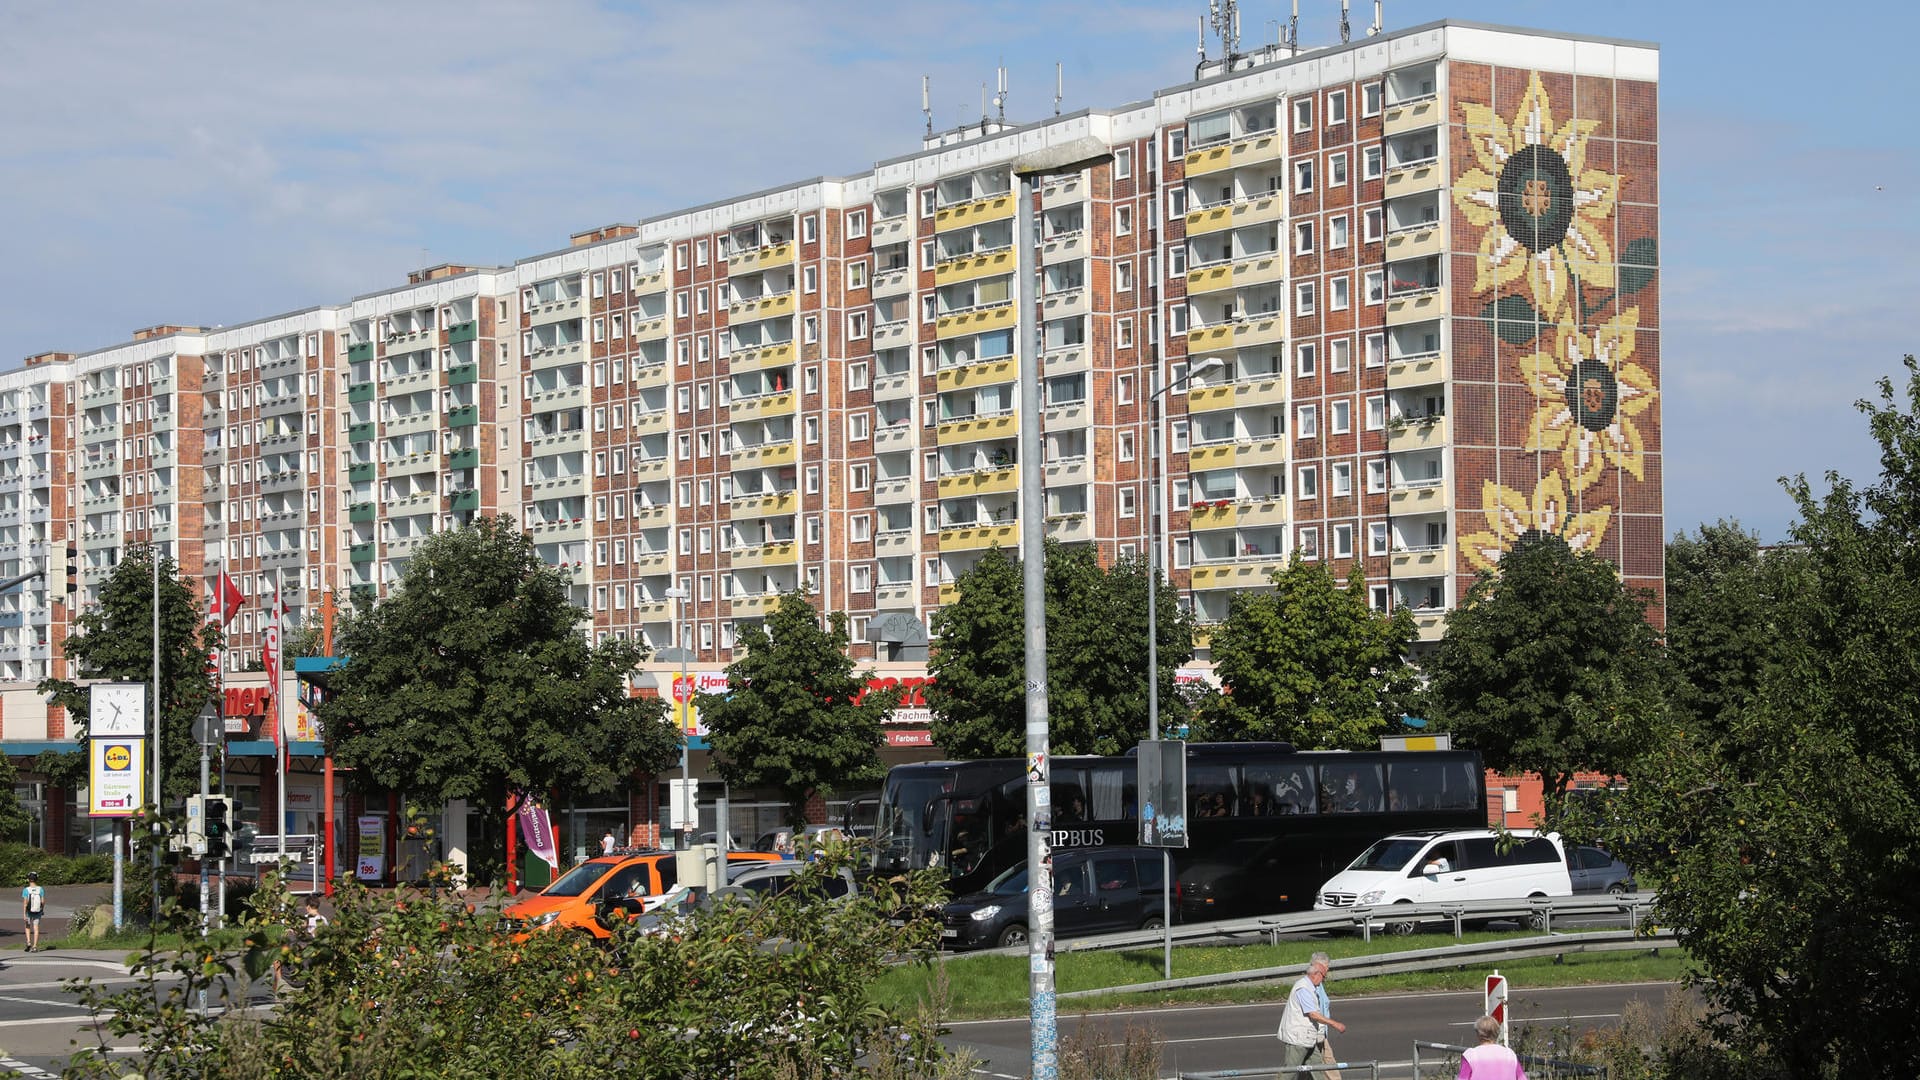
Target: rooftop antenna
<point>1293,31</point>
<point>1200,24</point>
<point>926,103</point>
<point>1346,28</point>
<point>983,106</point>
<point>1379,20</point>
<point>1226,25</point>
<point>1000,99</point>
<point>1059,86</point>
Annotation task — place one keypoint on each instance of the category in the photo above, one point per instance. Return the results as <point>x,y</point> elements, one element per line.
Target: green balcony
<point>360,432</point>
<point>361,513</point>
<point>463,416</point>
<point>362,552</point>
<point>460,332</point>
<point>361,473</point>
<point>360,352</point>
<point>464,459</point>
<point>359,392</point>
<point>464,374</point>
<point>466,500</point>
<point>369,592</point>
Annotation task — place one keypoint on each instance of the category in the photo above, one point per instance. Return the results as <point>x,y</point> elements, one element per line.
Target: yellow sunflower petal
<point>1547,277</point>
<point>1478,198</point>
<point>1636,390</point>
<point>1548,427</point>
<point>1545,376</point>
<point>1483,550</point>
<point>1508,514</point>
<point>1549,503</point>
<point>1614,341</point>
<point>1488,135</point>
<point>1589,255</point>
<point>1533,123</point>
<point>1571,143</point>
<point>1585,530</point>
<point>1585,458</point>
<point>1625,448</point>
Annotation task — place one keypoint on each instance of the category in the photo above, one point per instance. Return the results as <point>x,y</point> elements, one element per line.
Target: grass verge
<point>986,987</point>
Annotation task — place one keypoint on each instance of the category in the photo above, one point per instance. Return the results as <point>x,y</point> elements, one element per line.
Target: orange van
<point>575,898</point>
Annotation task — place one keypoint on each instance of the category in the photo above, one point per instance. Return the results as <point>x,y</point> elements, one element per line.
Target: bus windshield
<point>913,822</point>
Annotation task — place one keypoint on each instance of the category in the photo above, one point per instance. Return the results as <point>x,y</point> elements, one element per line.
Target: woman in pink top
<point>1490,1060</point>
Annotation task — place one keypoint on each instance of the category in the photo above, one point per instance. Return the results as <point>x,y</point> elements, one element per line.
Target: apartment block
<point>1391,305</point>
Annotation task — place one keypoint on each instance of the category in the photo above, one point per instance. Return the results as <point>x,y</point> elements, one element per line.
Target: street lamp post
<point>685,699</point>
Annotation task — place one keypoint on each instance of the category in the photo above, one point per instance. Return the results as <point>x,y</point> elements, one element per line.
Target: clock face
<point>117,709</point>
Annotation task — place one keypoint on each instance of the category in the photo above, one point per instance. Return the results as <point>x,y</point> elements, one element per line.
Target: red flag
<point>226,600</point>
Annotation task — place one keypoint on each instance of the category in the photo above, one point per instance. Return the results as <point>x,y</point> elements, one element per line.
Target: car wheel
<point>1618,888</point>
<point>1403,927</point>
<point>1154,922</point>
<point>1538,920</point>
<point>1015,934</point>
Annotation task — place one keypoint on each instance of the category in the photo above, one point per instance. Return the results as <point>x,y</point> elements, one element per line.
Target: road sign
<point>683,810</point>
<point>208,727</point>
<point>1497,1002</point>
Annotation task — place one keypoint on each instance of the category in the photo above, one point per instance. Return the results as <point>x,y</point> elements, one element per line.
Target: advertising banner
<point>1163,793</point>
<point>116,776</point>
<point>372,864</point>
<point>536,827</point>
<point>685,712</point>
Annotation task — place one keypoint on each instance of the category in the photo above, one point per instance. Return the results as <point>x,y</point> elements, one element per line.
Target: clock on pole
<point>117,710</point>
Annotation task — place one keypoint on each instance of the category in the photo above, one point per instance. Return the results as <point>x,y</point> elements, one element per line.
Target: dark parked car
<point>1096,891</point>
<point>1595,871</point>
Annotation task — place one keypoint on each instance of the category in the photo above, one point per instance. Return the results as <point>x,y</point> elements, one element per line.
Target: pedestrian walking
<point>1326,1047</point>
<point>1303,1026</point>
<point>1490,1060</point>
<point>33,904</point>
<point>607,843</point>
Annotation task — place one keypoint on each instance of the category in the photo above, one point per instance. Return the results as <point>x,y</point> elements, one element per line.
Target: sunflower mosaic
<point>1546,216</point>
<point>1591,400</point>
<point>1512,517</point>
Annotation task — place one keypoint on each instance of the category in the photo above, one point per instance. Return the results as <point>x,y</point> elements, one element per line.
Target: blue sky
<point>218,161</point>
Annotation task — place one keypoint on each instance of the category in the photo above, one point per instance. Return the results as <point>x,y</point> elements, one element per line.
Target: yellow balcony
<point>1004,426</point>
<point>1410,116</point>
<point>746,262</point>
<point>765,456</point>
<point>762,506</point>
<point>1271,511</point>
<point>970,267</point>
<point>760,604</point>
<point>949,592</point>
<point>1431,562</point>
<point>1262,390</point>
<point>1204,339</point>
<point>1069,528</point>
<point>1418,371</point>
<point>657,563</point>
<point>1423,499</point>
<point>1259,270</point>
<point>765,307</point>
<point>1211,398</point>
<point>765,405</point>
<point>649,516</point>
<point>1259,330</point>
<point>1256,211</point>
<point>1203,636</point>
<point>652,610</point>
<point>650,424</point>
<point>1418,434</point>
<point>965,375</point>
<point>998,317</point>
<point>645,472</point>
<point>993,208</point>
<point>1210,220</point>
<point>653,329</point>
<point>1269,451</point>
<point>1416,307</point>
<point>1206,517</point>
<point>1265,146</point>
<point>1429,239</point>
<point>1219,456</point>
<point>1430,626</point>
<point>1247,575</point>
<point>1409,180</point>
<point>766,356</point>
<point>992,481</point>
<point>649,283</point>
<point>651,375</point>
<point>778,553</point>
<point>1212,279</point>
<point>972,537</point>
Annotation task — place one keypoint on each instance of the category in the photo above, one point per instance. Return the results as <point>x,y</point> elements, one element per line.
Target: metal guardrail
<point>1538,1068</point>
<point>1445,956</point>
<point>1372,1069</point>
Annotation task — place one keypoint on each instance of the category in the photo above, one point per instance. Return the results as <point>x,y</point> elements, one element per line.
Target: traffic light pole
<point>204,823</point>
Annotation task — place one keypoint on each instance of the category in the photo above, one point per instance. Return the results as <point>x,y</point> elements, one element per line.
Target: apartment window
<point>1340,417</point>
<point>1183,493</point>
<point>809,229</point>
<point>1370,163</point>
<point>1337,169</point>
<point>929,309</point>
<point>1123,220</point>
<point>1310,543</point>
<point>857,376</point>
<point>812,479</point>
<point>1123,277</point>
<point>1307,422</point>
<point>1303,238</point>
<point>706,444</point>
<point>1377,538</point>
<point>860,477</point>
<point>1125,440</point>
<point>1343,541</point>
<point>706,588</point>
<point>810,330</point>
<point>928,202</point>
<point>1375,283</point>
<point>599,331</point>
<point>810,378</point>
<point>1372,224</point>
<point>703,393</point>
<point>1340,355</point>
<point>1376,345</point>
<point>1123,386</point>
<point>619,328</point>
<point>809,280</point>
<point>680,257</point>
<point>1337,231</point>
<point>686,499</point>
<point>1307,360</point>
<point>706,540</point>
<point>1123,333</point>
<point>1129,502</point>
<point>700,301</point>
<point>1182,553</point>
<point>813,529</point>
<point>1376,412</point>
<point>683,352</point>
<point>857,325</point>
<point>860,578</point>
<point>861,528</point>
<point>1302,177</point>
<point>1377,476</point>
<point>1177,433</point>
<point>1370,100</point>
<point>1303,298</point>
<point>680,303</point>
<point>1123,163</point>
<point>857,427</point>
<point>1336,107</point>
<point>1176,204</point>
<point>685,443</point>
<point>700,250</point>
<point>810,430</point>
<point>1338,293</point>
<point>856,275</point>
<point>1303,114</point>
<point>856,224</point>
<point>1341,474</point>
<point>1177,259</point>
<point>1176,322</point>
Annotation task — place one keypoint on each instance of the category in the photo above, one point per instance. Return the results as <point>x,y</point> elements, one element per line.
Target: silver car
<point>1595,871</point>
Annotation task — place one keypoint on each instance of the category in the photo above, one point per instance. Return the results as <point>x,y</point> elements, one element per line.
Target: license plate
<point>948,931</point>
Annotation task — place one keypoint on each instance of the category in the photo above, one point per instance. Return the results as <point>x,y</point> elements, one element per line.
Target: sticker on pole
<point>1497,1002</point>
<point>1036,768</point>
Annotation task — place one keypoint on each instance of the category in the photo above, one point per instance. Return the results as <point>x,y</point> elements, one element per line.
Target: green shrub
<point>19,860</point>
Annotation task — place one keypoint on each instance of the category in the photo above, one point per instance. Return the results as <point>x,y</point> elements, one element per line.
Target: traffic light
<point>219,826</point>
<point>197,824</point>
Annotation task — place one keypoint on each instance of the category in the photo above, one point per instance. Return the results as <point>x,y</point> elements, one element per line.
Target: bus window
<point>1279,789</point>
<point>1432,785</point>
<point>1211,792</point>
<point>1114,795</point>
<point>1351,789</point>
<point>1069,796</point>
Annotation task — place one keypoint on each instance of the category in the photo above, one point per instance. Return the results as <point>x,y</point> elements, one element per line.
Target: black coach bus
<point>1266,824</point>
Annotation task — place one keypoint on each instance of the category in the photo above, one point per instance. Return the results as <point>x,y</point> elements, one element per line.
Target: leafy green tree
<point>1722,630</point>
<point>1550,667</point>
<point>1096,656</point>
<point>1310,663</point>
<point>113,641</point>
<point>474,680</point>
<point>796,717</point>
<point>1783,841</point>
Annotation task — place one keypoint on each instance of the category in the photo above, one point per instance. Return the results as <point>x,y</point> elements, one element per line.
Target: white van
<point>1434,867</point>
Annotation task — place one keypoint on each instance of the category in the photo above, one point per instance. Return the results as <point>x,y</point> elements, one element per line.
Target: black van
<point>1095,891</point>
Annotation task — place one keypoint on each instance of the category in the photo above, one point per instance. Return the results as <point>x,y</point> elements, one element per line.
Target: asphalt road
<point>1379,1028</point>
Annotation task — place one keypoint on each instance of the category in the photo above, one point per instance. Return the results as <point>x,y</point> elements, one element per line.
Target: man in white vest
<point>1302,1024</point>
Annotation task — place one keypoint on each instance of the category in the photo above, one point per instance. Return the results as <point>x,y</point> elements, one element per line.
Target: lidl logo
<point>119,758</point>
